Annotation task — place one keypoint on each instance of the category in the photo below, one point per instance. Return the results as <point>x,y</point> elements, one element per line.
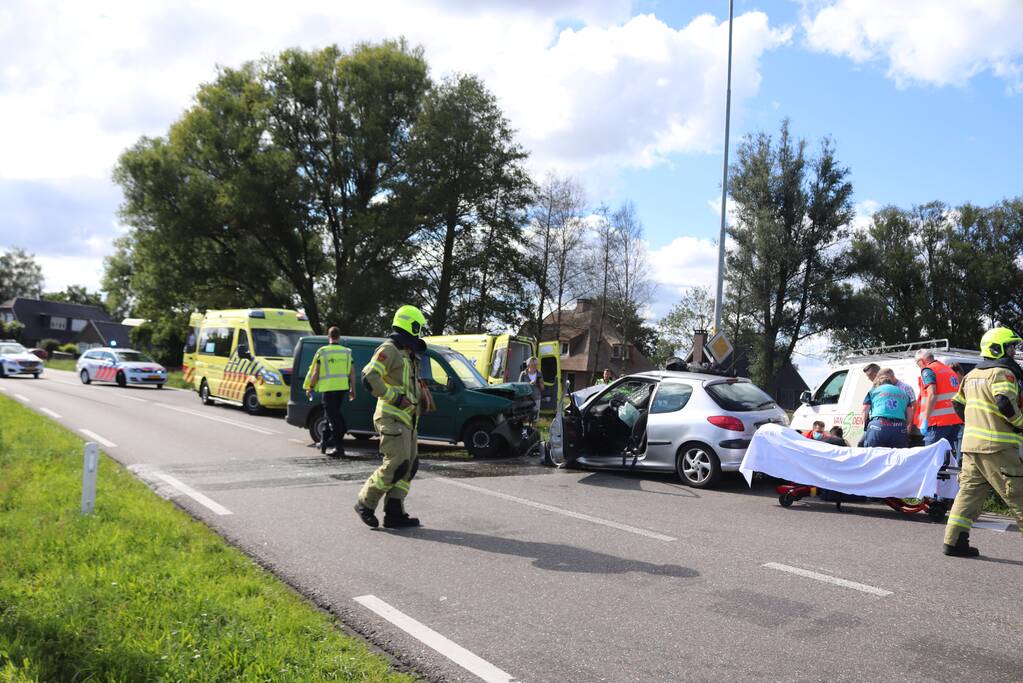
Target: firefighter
<point>988,401</point>
<point>392,375</point>
<point>332,376</point>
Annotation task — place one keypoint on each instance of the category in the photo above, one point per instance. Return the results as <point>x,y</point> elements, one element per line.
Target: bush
<point>11,330</point>
<point>49,345</point>
<point>69,348</point>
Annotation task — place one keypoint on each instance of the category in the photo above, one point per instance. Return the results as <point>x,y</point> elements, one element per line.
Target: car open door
<point>550,367</point>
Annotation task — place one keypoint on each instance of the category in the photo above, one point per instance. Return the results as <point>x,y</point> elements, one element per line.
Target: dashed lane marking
<point>222,420</point>
<point>456,653</point>
<point>192,493</point>
<point>23,399</point>
<point>50,413</point>
<point>96,437</point>
<point>826,578</point>
<point>3,389</point>
<point>561,511</point>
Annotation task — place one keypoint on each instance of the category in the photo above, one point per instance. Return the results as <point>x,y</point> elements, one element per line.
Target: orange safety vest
<point>942,413</point>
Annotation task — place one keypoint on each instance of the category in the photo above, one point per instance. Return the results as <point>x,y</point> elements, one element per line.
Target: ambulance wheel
<point>84,376</point>
<point>204,394</point>
<point>251,402</point>
<point>786,499</point>
<point>478,439</point>
<point>121,380</point>
<point>317,425</point>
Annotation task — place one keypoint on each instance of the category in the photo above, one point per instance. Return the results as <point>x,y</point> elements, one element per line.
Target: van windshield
<point>464,369</point>
<point>275,342</point>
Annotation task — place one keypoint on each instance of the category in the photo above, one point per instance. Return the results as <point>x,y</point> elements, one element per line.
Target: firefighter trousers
<point>401,460</point>
<point>981,473</point>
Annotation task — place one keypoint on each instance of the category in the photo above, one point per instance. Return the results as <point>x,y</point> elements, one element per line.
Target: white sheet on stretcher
<point>874,472</point>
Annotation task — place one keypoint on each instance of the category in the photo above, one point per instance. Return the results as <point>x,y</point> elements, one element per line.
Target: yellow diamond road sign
<point>719,346</point>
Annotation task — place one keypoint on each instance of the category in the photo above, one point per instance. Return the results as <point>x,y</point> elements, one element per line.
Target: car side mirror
<point>243,352</point>
<point>806,398</point>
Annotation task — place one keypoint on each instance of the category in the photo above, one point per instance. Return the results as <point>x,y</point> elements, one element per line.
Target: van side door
<point>446,390</point>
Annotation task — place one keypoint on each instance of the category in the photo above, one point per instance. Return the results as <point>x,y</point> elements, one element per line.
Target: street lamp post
<point>719,298</point>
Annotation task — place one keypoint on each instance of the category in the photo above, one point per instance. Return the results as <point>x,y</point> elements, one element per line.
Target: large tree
<point>693,311</point>
<point>76,294</point>
<point>792,217</point>
<point>20,275</point>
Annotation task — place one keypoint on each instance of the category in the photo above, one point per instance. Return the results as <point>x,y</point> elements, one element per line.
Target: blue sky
<point>923,98</point>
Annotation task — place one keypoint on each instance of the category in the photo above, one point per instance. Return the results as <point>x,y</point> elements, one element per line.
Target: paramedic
<point>938,384</point>
<point>871,371</point>
<point>392,375</point>
<point>331,375</point>
<point>886,411</point>
<point>988,400</point>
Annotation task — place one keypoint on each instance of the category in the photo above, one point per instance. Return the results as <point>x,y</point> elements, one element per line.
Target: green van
<point>487,418</point>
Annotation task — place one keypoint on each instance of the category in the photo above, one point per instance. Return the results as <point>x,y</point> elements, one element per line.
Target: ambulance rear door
<point>549,353</point>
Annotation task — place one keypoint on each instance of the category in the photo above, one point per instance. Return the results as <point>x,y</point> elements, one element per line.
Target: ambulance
<point>244,356</point>
<point>501,357</point>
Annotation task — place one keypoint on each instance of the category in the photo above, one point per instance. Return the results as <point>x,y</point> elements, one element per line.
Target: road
<point>531,574</point>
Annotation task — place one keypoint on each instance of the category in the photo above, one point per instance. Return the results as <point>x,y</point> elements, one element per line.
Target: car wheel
<point>122,381</point>
<point>159,386</point>
<point>84,376</point>
<point>317,426</point>
<point>3,373</point>
<point>35,375</point>
<point>251,402</point>
<point>697,465</point>
<point>479,441</point>
<point>204,393</point>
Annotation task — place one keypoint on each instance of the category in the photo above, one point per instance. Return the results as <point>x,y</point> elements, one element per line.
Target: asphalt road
<point>526,573</point>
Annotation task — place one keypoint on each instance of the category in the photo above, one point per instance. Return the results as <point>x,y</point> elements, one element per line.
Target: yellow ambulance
<point>244,356</point>
<point>501,357</point>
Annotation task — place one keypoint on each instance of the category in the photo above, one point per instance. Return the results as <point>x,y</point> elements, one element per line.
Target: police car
<point>15,359</point>
<point>121,366</point>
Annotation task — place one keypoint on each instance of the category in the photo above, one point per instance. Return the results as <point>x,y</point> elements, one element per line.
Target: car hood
<point>21,357</point>
<point>510,390</point>
<point>141,365</point>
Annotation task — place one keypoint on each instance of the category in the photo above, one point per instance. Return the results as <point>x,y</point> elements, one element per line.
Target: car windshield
<point>11,348</point>
<point>133,357</point>
<point>275,342</point>
<point>740,397</point>
<point>464,369</point>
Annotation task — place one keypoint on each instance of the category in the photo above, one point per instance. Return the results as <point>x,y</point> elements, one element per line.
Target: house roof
<point>578,327</point>
<point>25,307</point>
<point>110,334</point>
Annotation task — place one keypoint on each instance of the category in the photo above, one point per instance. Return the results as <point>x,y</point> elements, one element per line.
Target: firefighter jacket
<point>392,375</point>
<point>331,367</point>
<point>942,413</point>
<point>988,430</point>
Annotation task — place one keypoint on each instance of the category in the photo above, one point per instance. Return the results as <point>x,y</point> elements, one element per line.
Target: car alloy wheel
<point>84,376</point>
<point>697,465</point>
<point>121,380</point>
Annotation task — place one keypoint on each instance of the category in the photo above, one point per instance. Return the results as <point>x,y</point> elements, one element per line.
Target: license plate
<point>154,377</point>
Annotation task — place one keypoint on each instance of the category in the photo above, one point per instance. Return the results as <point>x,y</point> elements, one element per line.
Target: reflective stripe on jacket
<point>334,363</point>
<point>987,430</point>
<point>947,386</point>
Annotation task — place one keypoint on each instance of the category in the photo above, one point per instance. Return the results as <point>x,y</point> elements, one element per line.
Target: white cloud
<point>940,42</point>
<point>685,262</point>
<point>61,271</point>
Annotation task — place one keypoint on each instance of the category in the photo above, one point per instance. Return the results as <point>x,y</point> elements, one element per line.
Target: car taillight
<point>727,422</point>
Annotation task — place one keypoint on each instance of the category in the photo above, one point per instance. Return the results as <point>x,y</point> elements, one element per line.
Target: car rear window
<point>740,397</point>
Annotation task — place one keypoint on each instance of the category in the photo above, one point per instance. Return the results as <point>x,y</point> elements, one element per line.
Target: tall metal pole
<point>719,298</point>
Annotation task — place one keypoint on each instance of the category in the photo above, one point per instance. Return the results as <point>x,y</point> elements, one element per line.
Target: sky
<point>923,99</point>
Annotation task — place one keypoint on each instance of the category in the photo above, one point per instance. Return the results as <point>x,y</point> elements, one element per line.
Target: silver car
<point>695,425</point>
<point>123,366</point>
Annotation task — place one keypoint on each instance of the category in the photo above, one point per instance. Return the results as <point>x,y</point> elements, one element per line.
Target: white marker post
<point>89,477</point>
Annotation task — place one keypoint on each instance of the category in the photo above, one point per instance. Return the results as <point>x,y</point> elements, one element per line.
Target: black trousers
<point>336,429</point>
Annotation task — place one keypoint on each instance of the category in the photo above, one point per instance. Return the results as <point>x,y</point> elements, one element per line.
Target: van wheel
<point>697,465</point>
<point>251,402</point>
<point>479,441</point>
<point>121,380</point>
<point>204,393</point>
<point>317,425</point>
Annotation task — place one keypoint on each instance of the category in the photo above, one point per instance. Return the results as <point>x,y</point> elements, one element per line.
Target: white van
<point>838,400</point>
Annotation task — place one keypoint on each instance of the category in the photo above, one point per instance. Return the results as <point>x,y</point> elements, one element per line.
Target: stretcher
<point>908,480</point>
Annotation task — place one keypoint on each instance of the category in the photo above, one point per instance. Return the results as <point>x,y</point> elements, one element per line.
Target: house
<point>50,319</point>
<point>99,333</point>
<point>786,386</point>
<point>583,355</point>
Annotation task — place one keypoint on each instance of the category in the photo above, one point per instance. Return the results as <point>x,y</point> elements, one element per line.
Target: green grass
<point>61,364</point>
<point>139,590</point>
<point>174,377</point>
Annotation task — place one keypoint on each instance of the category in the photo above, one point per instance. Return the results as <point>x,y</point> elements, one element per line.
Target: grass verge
<point>139,590</point>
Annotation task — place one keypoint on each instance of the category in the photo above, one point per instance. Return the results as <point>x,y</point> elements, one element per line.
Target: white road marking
<point>423,633</point>
<point>862,587</point>
<point>96,437</point>
<point>300,442</point>
<point>193,494</point>
<point>23,399</point>
<point>3,389</point>
<point>993,526</point>
<point>131,398</point>
<point>560,511</point>
<point>50,413</point>
<point>222,420</point>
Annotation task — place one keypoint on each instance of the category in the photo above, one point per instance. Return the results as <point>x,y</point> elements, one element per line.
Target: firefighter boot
<point>962,547</point>
<point>367,516</point>
<point>395,516</point>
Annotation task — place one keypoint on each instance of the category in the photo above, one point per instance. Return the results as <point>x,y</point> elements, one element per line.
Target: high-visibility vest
<point>942,413</point>
<point>335,363</point>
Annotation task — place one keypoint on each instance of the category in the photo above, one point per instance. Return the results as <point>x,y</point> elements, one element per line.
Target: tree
<point>792,216</point>
<point>20,275</point>
<point>598,274</point>
<point>466,179</point>
<point>693,311</point>
<point>76,294</point>
<point>628,275</point>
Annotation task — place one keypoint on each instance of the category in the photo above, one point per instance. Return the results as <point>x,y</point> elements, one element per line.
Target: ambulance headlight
<point>270,377</point>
